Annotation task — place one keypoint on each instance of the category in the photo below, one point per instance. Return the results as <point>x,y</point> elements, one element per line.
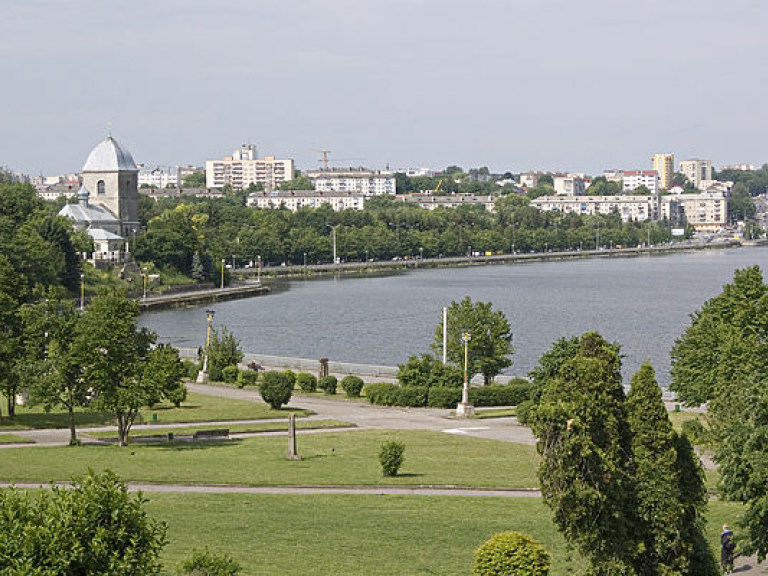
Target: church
<point>108,202</point>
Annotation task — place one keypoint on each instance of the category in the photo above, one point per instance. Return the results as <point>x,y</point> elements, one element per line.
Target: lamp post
<point>82,291</point>
<point>145,282</point>
<point>305,259</point>
<point>258,268</point>
<point>202,376</point>
<point>222,273</point>
<point>465,409</point>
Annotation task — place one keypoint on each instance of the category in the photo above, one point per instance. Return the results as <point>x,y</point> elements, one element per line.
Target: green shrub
<point>177,395</point>
<point>511,554</point>
<point>229,374</point>
<point>525,411</point>
<point>386,394</point>
<point>207,563</point>
<point>695,432</point>
<point>307,382</point>
<point>427,370</point>
<point>191,368</point>
<point>247,378</point>
<point>501,395</point>
<point>328,384</point>
<point>275,389</point>
<point>291,375</point>
<point>391,457</point>
<point>443,397</point>
<point>352,386</point>
<point>215,374</point>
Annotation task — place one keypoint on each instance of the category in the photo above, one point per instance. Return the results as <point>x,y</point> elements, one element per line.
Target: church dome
<point>109,156</point>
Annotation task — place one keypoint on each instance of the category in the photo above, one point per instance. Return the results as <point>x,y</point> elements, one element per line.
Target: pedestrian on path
<point>727,546</point>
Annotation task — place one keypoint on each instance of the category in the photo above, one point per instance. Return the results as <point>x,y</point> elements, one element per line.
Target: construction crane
<point>437,188</point>
<point>325,158</point>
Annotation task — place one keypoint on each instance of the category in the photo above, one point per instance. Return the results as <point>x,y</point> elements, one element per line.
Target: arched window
<point>100,189</point>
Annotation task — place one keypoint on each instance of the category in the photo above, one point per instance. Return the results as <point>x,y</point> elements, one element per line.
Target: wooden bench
<point>214,434</point>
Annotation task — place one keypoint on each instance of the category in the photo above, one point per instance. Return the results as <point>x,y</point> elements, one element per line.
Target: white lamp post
<point>465,409</point>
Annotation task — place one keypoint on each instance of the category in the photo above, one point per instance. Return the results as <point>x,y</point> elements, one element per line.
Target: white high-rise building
<point>696,171</point>
<point>244,168</point>
<point>359,180</point>
<point>633,179</point>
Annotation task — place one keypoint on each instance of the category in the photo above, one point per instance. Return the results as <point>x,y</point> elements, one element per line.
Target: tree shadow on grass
<point>192,445</point>
<point>408,475</point>
<point>41,420</point>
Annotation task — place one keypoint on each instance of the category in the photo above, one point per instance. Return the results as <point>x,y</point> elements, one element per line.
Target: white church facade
<point>107,202</point>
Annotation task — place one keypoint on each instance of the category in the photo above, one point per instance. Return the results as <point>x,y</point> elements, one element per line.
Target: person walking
<point>727,546</point>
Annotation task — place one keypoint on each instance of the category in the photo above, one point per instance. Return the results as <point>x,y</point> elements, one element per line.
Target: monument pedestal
<point>465,410</point>
<point>202,377</point>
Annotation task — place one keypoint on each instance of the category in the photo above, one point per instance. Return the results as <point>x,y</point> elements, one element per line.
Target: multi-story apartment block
<point>635,178</point>
<point>158,177</point>
<point>414,172</point>
<point>696,171</point>
<point>359,180</point>
<point>637,208</point>
<point>614,175</point>
<point>430,202</point>
<point>244,168</point>
<point>569,185</point>
<point>664,164</point>
<point>706,212</point>
<point>744,167</point>
<point>295,199</point>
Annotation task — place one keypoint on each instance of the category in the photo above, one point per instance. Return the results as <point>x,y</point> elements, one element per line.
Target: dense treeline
<point>218,229</point>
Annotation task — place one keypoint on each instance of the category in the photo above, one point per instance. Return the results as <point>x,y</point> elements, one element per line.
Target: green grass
<point>14,439</point>
<point>234,428</point>
<point>361,534</point>
<point>678,418</point>
<point>345,458</point>
<point>197,408</point>
<point>495,413</point>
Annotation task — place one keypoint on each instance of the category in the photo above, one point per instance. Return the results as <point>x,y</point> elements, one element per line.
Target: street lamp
<point>465,409</point>
<point>202,376</point>
<point>82,291</point>
<point>258,268</point>
<point>222,273</point>
<point>145,282</point>
<point>305,259</point>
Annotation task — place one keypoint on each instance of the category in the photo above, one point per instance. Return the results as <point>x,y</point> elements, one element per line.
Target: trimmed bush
<point>391,457</point>
<point>307,382</point>
<point>207,563</point>
<point>511,554</point>
<point>275,389</point>
<point>247,378</point>
<point>291,375</point>
<point>352,386</point>
<point>191,369</point>
<point>229,374</point>
<point>328,384</point>
<point>177,395</point>
<point>525,411</point>
<point>501,395</point>
<point>386,394</point>
<point>443,397</point>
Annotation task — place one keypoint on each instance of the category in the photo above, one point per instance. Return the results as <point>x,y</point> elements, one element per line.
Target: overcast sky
<point>515,85</point>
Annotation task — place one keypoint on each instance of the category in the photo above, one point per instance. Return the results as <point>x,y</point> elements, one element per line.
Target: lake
<point>643,303</point>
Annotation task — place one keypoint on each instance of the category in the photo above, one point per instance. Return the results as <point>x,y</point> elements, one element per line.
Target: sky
<point>514,85</point>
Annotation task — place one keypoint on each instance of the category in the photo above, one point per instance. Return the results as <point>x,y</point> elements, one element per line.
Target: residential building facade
<point>430,202</point>
<point>696,171</point>
<point>664,164</point>
<point>633,179</point>
<point>357,180</point>
<point>244,168</point>
<point>295,199</point>
<point>637,208</point>
<point>706,212</point>
<point>569,185</point>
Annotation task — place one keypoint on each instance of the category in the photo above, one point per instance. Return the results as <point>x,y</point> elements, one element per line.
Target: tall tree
<point>585,445</point>
<point>668,539</point>
<point>13,292</point>
<point>490,346</point>
<point>49,328</point>
<point>116,359</point>
<point>722,359</point>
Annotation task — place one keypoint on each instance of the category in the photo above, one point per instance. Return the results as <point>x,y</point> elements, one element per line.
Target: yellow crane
<point>437,188</point>
<point>325,157</point>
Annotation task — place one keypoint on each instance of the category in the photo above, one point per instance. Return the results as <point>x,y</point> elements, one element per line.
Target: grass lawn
<point>678,418</point>
<point>360,534</point>
<point>345,458</point>
<point>495,413</point>
<point>14,439</point>
<point>197,408</point>
<point>234,428</point>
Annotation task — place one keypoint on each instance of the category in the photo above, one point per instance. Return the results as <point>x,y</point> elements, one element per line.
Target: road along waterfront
<point>642,302</point>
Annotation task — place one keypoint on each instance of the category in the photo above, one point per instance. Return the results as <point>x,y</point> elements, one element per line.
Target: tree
<point>117,361</point>
<point>722,359</point>
<point>552,360</point>
<point>224,350</point>
<point>491,338</point>
<point>585,446</point>
<point>163,375</point>
<point>741,205</point>
<point>95,527</point>
<point>276,389</point>
<point>194,180</point>
<point>13,291</point>
<point>55,375</point>
<point>667,481</point>
<point>197,272</point>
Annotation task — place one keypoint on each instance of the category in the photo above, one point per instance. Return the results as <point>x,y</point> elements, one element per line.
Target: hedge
<point>444,397</point>
<point>386,394</point>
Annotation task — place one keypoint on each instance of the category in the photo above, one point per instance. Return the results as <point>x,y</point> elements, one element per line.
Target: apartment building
<point>244,168</point>
<point>664,165</point>
<point>569,185</point>
<point>633,179</point>
<point>430,202</point>
<point>637,208</point>
<point>358,180</point>
<point>697,171</point>
<point>706,212</point>
<point>295,199</point>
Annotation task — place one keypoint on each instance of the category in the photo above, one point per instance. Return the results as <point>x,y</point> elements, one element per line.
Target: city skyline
<point>548,85</point>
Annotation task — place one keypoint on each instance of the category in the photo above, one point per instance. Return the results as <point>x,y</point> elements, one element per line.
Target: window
<point>100,188</point>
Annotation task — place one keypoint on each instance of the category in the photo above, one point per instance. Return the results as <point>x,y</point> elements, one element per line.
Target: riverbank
<point>193,298</point>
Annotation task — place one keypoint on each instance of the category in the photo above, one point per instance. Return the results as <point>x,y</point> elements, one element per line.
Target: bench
<point>214,434</point>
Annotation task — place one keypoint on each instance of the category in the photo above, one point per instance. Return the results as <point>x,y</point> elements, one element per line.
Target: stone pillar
<point>292,453</point>
<point>323,370</point>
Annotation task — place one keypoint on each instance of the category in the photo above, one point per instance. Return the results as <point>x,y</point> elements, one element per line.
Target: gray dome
<point>109,156</point>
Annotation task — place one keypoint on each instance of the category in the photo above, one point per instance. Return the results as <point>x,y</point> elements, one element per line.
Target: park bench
<point>214,434</point>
